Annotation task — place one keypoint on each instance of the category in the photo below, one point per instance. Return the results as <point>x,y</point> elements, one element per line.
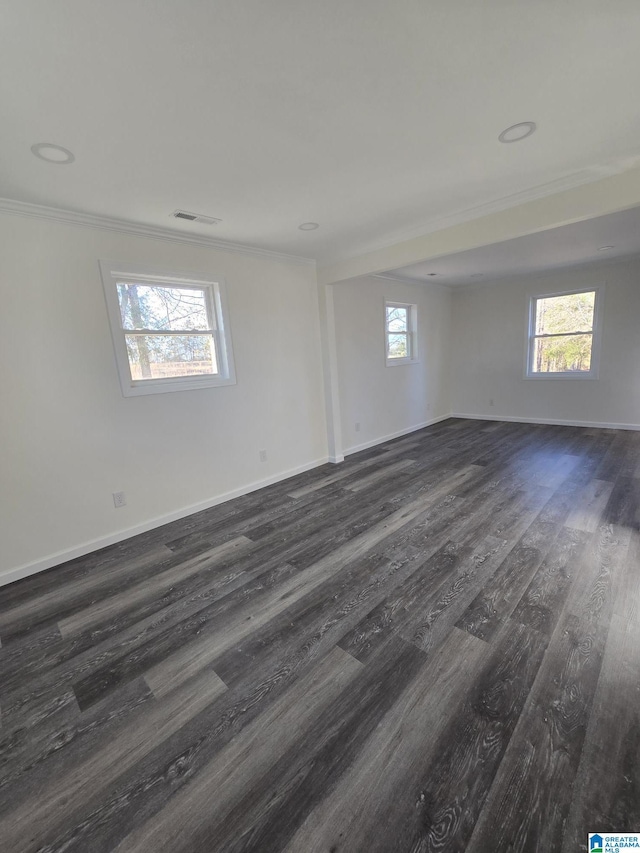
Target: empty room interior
<point>319,426</point>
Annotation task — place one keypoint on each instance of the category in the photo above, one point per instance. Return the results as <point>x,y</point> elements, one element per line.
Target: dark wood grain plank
<point>251,755</point>
<point>588,512</point>
<point>474,569</point>
<point>447,578</point>
<point>606,793</point>
<point>108,608</point>
<point>54,746</point>
<point>452,789</point>
<point>260,811</point>
<point>26,827</point>
<point>544,597</point>
<point>543,756</point>
<point>606,790</point>
<point>43,610</point>
<point>361,811</point>
<point>499,596</point>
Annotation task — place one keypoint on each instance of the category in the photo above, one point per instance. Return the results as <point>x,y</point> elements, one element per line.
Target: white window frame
<point>596,334</point>
<point>113,272</point>
<point>412,333</point>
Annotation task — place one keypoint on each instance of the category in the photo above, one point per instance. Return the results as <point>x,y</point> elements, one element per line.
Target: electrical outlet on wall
<point>491,402</point>
<point>263,455</point>
<point>357,426</point>
<point>119,499</point>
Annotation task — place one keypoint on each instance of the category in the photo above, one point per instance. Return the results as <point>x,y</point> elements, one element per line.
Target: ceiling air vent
<point>195,217</point>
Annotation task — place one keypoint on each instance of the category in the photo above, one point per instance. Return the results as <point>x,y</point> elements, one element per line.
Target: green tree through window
<point>168,330</point>
<point>562,338</point>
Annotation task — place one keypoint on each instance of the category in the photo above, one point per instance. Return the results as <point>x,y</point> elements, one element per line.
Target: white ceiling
<point>571,245</point>
<point>370,117</point>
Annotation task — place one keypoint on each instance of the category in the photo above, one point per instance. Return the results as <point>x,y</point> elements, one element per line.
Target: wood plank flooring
<point>434,646</point>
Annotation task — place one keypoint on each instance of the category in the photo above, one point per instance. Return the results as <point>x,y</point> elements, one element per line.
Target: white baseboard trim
<point>19,572</point>
<point>552,421</point>
<point>59,557</point>
<point>381,440</point>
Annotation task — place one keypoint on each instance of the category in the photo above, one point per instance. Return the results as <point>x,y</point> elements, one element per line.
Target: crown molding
<point>398,279</point>
<point>123,226</point>
<point>497,205</point>
<point>584,265</point>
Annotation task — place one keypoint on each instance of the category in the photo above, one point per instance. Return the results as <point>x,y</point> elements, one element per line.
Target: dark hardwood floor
<point>434,646</point>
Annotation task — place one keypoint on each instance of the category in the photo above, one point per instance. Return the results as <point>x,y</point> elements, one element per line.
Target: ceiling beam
<point>599,198</point>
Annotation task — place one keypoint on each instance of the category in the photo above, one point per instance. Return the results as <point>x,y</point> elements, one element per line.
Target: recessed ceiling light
<point>477,275</point>
<point>309,226</point>
<point>53,153</point>
<point>517,131</point>
<point>605,248</point>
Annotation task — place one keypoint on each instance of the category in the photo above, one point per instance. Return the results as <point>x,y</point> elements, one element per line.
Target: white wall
<point>68,438</point>
<point>388,401</point>
<point>489,328</point>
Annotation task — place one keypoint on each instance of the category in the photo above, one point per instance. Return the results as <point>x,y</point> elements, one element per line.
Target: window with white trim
<point>401,328</point>
<point>170,330</point>
<point>564,334</point>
